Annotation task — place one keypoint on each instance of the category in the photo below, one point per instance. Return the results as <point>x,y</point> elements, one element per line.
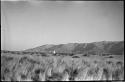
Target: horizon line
<point>63,43</point>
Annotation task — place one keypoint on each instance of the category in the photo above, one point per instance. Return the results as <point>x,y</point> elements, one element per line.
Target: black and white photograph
<point>62,40</point>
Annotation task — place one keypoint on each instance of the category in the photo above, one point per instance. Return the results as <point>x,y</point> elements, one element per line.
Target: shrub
<point>106,73</point>
<point>75,57</point>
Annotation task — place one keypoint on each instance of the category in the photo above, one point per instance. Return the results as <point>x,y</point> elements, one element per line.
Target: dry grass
<point>59,68</point>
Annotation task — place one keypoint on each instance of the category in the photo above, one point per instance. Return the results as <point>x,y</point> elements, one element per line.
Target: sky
<point>29,24</point>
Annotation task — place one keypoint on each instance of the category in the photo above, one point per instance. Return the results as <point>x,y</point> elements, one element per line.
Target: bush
<point>75,57</point>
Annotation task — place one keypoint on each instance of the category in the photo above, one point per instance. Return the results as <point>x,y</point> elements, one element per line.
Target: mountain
<point>108,47</point>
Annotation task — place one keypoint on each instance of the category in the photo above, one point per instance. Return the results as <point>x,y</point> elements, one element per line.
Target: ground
<point>22,67</point>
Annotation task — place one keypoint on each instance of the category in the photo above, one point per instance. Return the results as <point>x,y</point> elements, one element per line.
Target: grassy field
<point>20,67</point>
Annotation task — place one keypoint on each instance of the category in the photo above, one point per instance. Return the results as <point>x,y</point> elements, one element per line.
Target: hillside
<point>105,47</point>
<point>34,65</point>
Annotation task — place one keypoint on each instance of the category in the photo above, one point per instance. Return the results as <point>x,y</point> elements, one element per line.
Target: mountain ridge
<point>110,47</point>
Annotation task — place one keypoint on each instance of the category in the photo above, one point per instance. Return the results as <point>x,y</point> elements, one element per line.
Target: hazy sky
<point>31,24</point>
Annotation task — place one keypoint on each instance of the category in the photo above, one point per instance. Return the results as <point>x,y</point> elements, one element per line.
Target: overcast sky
<point>31,24</point>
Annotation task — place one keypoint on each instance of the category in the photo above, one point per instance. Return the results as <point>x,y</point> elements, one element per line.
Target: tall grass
<point>26,68</point>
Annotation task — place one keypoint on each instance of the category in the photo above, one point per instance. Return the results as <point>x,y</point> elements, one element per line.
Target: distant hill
<point>106,47</point>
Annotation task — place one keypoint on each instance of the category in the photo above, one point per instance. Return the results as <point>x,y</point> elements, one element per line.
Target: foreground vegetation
<point>37,67</point>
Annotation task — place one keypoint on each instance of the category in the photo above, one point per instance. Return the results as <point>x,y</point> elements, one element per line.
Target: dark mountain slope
<point>112,47</point>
